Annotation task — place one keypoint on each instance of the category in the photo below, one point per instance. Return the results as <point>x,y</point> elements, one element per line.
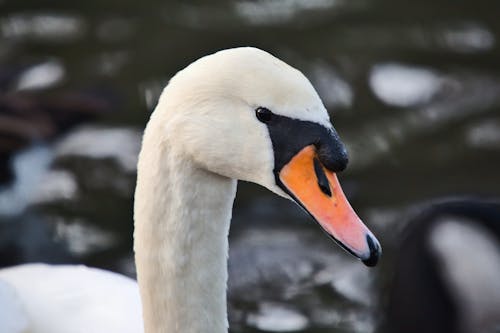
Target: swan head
<point>244,114</point>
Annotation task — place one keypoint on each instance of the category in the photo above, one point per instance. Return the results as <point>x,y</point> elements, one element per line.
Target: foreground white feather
<point>61,299</point>
<point>211,127</point>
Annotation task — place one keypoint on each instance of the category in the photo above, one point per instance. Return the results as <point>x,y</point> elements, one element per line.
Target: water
<point>413,88</point>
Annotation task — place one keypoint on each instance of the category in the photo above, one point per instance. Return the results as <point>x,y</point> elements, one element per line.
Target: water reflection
<point>300,275</point>
<point>277,318</point>
<point>41,76</point>
<point>115,29</point>
<point>404,86</point>
<point>150,91</point>
<point>334,91</point>
<point>467,95</point>
<point>111,63</point>
<point>82,238</point>
<point>485,134</point>
<point>54,185</point>
<point>119,144</point>
<point>275,12</point>
<point>41,26</point>
<point>29,167</point>
<point>467,38</point>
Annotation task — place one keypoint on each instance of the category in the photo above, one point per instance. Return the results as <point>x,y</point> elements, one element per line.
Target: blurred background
<point>413,88</point>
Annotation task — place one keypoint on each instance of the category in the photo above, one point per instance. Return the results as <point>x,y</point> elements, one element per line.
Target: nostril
<point>323,183</point>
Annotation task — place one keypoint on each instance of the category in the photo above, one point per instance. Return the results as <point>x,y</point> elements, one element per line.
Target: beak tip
<point>375,251</point>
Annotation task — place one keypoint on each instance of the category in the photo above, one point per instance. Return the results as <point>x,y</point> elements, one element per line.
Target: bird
<point>237,114</point>
<point>446,269</point>
<point>67,298</point>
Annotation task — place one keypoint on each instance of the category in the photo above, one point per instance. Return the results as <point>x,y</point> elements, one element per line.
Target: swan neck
<point>182,215</point>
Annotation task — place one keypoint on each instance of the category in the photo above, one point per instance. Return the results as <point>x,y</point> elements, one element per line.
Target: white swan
<point>39,298</point>
<point>236,114</point>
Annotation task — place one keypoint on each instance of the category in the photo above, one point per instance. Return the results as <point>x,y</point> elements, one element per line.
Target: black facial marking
<point>289,136</point>
<point>323,183</point>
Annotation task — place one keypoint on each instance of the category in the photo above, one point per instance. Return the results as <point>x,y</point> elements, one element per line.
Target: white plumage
<point>41,298</point>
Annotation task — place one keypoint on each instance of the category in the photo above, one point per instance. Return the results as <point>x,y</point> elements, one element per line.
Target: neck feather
<point>182,215</point>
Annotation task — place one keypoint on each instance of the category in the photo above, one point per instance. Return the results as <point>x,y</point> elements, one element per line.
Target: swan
<point>238,114</point>
<point>450,256</point>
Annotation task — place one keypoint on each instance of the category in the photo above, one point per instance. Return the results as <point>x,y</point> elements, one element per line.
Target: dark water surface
<point>413,88</point>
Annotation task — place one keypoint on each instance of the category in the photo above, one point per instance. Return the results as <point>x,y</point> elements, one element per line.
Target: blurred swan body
<point>61,299</point>
<point>236,114</point>
<point>447,268</point>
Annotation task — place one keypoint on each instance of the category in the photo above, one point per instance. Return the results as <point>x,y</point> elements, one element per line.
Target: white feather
<point>13,317</point>
<point>62,299</point>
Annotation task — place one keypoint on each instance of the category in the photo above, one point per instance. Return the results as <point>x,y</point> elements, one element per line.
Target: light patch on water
<point>41,76</point>
<point>277,318</point>
<point>151,91</point>
<point>352,281</point>
<point>54,27</point>
<point>83,238</point>
<point>484,135</point>
<point>355,284</point>
<point>55,185</point>
<point>402,85</point>
<point>345,319</point>
<point>468,38</point>
<point>28,166</point>
<point>275,11</point>
<point>111,63</point>
<point>334,91</point>
<point>460,97</point>
<point>120,144</point>
<point>388,221</point>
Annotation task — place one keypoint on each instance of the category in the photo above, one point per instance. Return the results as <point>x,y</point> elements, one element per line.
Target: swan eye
<point>263,114</point>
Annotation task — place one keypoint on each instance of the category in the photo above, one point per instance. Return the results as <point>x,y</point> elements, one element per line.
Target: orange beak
<point>318,191</point>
